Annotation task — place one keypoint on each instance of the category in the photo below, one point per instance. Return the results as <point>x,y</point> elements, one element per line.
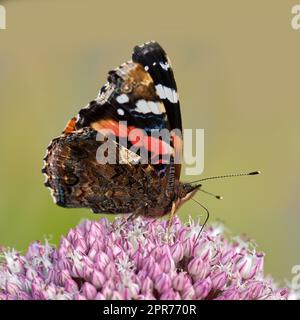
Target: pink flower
<point>135,260</point>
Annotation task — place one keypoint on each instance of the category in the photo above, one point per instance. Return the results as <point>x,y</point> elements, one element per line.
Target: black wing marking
<point>155,60</point>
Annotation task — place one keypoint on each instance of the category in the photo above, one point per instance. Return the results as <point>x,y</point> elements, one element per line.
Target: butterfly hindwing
<point>78,180</point>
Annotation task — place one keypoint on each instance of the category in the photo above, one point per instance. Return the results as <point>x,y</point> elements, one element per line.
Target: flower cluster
<point>138,259</point>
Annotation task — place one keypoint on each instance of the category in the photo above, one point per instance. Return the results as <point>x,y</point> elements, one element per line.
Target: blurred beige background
<point>237,66</point>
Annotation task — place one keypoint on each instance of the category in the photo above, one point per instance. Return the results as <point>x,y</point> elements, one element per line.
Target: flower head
<point>137,260</point>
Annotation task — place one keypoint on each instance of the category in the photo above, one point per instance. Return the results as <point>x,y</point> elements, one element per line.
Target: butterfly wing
<point>139,95</point>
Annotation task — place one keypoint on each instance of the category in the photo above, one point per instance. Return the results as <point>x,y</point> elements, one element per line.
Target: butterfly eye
<point>71,180</point>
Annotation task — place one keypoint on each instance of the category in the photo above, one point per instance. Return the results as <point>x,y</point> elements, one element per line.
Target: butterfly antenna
<point>206,219</point>
<point>211,194</point>
<point>228,176</point>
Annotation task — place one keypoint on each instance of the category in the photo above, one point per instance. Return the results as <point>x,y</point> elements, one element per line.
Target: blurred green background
<point>237,67</point>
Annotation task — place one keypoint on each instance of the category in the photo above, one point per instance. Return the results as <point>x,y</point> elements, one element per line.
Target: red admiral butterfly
<point>143,93</point>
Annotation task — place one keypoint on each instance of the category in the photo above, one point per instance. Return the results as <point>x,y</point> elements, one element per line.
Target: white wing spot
<point>122,98</point>
<point>154,107</point>
<point>120,112</point>
<point>165,66</point>
<point>166,93</point>
<point>142,106</point>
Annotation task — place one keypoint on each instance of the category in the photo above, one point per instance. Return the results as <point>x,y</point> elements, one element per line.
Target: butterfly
<point>139,98</point>
<point>143,94</point>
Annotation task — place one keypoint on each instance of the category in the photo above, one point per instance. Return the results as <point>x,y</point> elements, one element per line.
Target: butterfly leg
<point>128,219</point>
<point>171,215</point>
<point>132,216</point>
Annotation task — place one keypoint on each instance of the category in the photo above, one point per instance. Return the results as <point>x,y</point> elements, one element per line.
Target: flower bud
<point>162,282</point>
<point>146,285</point>
<point>71,286</point>
<point>88,290</point>
<point>247,266</point>
<point>181,281</point>
<point>97,279</point>
<point>219,280</point>
<point>177,252</point>
<point>166,263</point>
<point>197,266</point>
<point>202,288</point>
